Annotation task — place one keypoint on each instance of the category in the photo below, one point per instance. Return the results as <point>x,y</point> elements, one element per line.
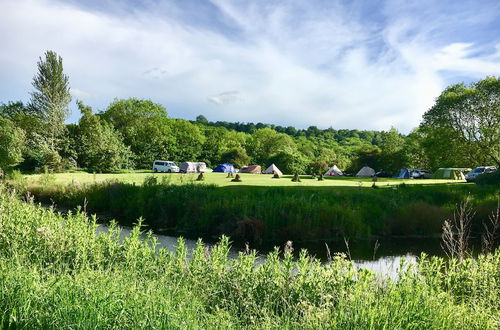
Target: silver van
<point>165,166</point>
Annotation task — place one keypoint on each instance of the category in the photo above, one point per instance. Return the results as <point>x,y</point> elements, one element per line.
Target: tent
<point>193,167</point>
<point>252,169</point>
<point>451,173</point>
<point>225,168</point>
<point>404,173</point>
<point>412,173</point>
<point>273,169</point>
<point>366,172</point>
<point>333,171</point>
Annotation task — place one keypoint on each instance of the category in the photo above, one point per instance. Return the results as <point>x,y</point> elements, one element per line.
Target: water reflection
<point>386,263</point>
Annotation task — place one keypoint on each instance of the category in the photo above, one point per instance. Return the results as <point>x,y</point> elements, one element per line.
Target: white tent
<point>273,170</point>
<point>366,172</point>
<point>193,167</point>
<point>333,171</point>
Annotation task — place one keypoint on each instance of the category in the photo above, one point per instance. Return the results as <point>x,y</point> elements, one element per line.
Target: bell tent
<point>193,167</point>
<point>366,172</point>
<point>252,169</point>
<point>273,169</point>
<point>451,173</point>
<point>225,168</point>
<point>333,171</point>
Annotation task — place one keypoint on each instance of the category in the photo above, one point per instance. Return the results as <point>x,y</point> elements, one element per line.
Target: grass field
<point>220,179</point>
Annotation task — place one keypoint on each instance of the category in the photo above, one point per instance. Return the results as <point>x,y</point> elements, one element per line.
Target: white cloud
<point>294,63</point>
<point>225,98</point>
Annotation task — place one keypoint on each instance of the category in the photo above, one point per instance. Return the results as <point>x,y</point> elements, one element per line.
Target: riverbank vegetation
<point>56,272</point>
<point>260,214</point>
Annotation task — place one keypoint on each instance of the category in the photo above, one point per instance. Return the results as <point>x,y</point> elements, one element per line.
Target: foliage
<point>309,213</point>
<point>237,156</point>
<point>290,162</point>
<point>266,143</point>
<point>188,140</point>
<point>471,117</point>
<point>11,144</point>
<point>492,178</point>
<point>145,128</point>
<point>366,156</point>
<point>319,166</point>
<point>100,147</point>
<point>55,272</point>
<point>51,97</point>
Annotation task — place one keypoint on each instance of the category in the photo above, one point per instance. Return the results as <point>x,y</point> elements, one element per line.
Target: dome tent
<point>225,168</point>
<point>333,171</point>
<point>273,169</point>
<point>366,172</point>
<point>252,169</point>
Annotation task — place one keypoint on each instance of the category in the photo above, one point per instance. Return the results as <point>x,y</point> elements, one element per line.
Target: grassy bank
<point>55,272</point>
<point>275,214</point>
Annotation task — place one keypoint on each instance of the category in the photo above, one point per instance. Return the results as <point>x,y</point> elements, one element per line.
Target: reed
<point>275,214</point>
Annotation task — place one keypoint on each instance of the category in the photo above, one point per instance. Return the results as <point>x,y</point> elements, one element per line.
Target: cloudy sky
<point>345,64</point>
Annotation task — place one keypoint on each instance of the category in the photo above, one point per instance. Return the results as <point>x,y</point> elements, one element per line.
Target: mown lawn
<point>220,179</point>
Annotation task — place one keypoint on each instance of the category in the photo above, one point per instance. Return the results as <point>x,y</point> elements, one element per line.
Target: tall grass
<point>276,214</point>
<point>56,272</point>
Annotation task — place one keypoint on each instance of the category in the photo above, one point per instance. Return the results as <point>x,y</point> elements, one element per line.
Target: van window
<point>159,163</point>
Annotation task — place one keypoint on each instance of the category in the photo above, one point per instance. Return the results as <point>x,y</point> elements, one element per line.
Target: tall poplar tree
<point>51,97</point>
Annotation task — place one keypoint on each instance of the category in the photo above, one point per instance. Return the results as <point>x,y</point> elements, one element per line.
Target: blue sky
<point>344,64</point>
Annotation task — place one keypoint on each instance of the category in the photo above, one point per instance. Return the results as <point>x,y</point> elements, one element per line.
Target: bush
<point>492,178</point>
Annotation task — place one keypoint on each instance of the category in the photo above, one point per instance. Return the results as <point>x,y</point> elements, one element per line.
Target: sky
<point>343,64</point>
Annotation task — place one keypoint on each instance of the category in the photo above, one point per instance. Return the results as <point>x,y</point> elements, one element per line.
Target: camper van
<point>165,166</point>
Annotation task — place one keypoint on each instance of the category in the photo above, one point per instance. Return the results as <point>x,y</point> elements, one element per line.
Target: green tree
<point>319,166</point>
<point>290,162</point>
<point>367,156</point>
<point>392,157</point>
<point>266,142</point>
<point>101,148</point>
<point>470,117</point>
<point>414,154</point>
<point>145,127</point>
<point>237,156</point>
<point>189,140</point>
<point>51,97</point>
<point>201,119</point>
<point>12,141</point>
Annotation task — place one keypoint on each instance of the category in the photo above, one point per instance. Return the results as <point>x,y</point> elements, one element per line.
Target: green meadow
<point>220,179</point>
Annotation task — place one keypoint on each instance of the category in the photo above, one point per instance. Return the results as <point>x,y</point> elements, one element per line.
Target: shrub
<point>237,178</point>
<point>492,178</point>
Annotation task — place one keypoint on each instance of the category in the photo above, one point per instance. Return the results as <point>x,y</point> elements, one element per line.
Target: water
<point>384,262</point>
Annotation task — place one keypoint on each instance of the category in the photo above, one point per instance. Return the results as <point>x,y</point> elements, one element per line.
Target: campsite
<point>231,164</point>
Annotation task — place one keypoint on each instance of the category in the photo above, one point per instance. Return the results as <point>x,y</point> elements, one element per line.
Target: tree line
<point>462,129</point>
